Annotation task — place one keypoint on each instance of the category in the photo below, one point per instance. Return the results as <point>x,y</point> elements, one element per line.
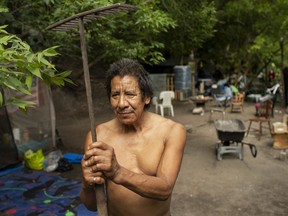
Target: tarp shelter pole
<point>100,195</point>
<point>53,119</point>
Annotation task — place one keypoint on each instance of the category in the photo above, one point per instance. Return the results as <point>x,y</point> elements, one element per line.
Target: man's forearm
<point>146,186</point>
<point>88,196</point>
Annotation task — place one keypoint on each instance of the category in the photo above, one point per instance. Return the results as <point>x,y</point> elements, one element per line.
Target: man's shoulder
<point>166,123</point>
<point>107,123</point>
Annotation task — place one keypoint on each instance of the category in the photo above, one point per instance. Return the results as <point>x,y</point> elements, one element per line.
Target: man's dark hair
<point>130,67</point>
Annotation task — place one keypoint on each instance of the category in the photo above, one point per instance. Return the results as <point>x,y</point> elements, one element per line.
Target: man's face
<point>126,99</point>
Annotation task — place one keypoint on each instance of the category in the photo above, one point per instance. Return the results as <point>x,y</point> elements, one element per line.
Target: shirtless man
<point>138,153</point>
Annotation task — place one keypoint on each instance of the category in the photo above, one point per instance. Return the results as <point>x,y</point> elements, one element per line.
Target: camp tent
<point>34,129</point>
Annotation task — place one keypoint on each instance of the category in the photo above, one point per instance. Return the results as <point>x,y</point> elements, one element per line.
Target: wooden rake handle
<point>100,189</point>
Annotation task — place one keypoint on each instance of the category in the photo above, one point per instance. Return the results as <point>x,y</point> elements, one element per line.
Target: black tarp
<point>8,149</point>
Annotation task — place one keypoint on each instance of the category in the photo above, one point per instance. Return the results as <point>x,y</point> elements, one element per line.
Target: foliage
<point>103,36</point>
<point>248,35</point>
<point>19,64</point>
<point>143,35</point>
<point>240,36</point>
<point>195,24</point>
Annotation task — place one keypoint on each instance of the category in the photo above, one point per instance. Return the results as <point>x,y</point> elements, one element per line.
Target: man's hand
<point>99,162</point>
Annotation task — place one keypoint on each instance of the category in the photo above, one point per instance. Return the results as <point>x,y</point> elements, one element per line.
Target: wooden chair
<point>265,114</point>
<point>237,102</point>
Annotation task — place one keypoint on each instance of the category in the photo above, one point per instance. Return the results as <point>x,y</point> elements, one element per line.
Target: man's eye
<point>131,95</point>
<point>114,95</point>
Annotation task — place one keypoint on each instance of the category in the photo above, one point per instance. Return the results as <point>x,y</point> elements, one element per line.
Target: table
<point>200,103</point>
<point>201,100</point>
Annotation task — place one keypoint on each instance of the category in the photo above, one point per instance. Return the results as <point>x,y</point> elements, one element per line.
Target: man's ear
<point>147,100</point>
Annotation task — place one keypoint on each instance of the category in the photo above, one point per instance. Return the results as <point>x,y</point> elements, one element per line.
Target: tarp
<point>27,192</point>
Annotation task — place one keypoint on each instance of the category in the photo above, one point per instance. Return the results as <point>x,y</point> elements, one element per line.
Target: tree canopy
<point>144,35</point>
<point>248,35</point>
<point>242,36</point>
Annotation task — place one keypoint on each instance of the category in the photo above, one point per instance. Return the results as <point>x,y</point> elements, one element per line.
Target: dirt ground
<point>205,186</point>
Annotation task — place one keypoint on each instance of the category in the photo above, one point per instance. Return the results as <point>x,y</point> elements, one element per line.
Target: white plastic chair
<point>166,102</point>
<point>155,103</point>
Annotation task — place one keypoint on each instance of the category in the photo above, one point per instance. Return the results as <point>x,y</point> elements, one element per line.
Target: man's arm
<point>88,196</point>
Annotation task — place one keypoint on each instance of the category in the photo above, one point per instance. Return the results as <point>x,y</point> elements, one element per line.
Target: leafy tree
<point>248,34</point>
<point>145,34</point>
<point>133,35</point>
<point>19,64</point>
<point>195,24</point>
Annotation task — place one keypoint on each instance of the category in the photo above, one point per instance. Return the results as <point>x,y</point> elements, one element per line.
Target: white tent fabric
<point>35,129</point>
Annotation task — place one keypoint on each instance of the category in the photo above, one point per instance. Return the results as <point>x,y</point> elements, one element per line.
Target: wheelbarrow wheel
<point>253,150</point>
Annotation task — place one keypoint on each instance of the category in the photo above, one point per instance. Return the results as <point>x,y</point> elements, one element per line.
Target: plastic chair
<point>221,101</point>
<point>221,96</point>
<point>220,108</point>
<point>155,103</point>
<point>265,113</point>
<point>166,102</point>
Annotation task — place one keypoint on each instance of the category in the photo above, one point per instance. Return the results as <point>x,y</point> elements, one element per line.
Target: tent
<point>34,129</point>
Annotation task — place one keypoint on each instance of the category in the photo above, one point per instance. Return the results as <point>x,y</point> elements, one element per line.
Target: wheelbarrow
<point>231,133</point>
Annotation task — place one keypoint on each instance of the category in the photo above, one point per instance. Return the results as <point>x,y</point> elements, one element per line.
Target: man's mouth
<point>124,113</point>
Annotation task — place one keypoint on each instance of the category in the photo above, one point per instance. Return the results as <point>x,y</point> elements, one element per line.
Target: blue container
<point>182,77</point>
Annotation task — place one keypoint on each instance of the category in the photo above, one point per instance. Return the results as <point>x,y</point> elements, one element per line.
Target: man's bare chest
<point>140,154</point>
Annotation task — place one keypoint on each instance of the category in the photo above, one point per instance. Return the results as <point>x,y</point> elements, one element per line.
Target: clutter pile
<point>54,161</point>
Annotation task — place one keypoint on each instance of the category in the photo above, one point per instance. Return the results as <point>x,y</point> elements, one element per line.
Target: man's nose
<point>122,101</point>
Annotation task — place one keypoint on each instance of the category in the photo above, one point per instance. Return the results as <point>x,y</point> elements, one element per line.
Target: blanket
<point>27,192</point>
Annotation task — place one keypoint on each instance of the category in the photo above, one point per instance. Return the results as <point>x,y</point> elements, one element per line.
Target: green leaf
<point>50,51</point>
<point>4,40</point>
<point>28,81</point>
<point>35,71</point>
<point>64,74</point>
<point>47,63</point>
<point>22,104</point>
<point>69,81</point>
<point>3,27</point>
<point>1,99</point>
<point>3,10</point>
<point>58,81</point>
<point>30,57</point>
<point>39,56</point>
<point>24,45</point>
<point>12,82</point>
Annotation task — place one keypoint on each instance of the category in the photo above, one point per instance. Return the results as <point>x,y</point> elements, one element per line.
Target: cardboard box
<point>279,128</point>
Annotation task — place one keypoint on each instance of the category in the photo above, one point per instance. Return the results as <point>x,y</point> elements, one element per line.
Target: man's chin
<point>126,121</point>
